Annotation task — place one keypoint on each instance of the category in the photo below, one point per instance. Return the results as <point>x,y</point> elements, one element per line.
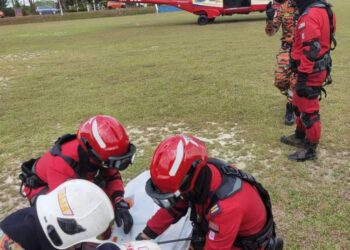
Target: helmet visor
<point>164,200</point>
<point>122,162</point>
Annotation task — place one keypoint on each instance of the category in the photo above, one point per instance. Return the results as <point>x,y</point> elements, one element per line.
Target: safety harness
<point>30,179</point>
<point>325,62</point>
<point>232,181</point>
<point>56,150</point>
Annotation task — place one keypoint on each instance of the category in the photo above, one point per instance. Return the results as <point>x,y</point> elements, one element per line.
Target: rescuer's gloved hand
<point>270,11</point>
<point>122,215</point>
<point>142,236</point>
<point>198,239</point>
<point>108,246</point>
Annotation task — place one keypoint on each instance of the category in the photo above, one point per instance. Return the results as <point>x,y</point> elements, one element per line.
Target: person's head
<point>280,1</point>
<point>76,211</point>
<point>302,4</point>
<point>174,168</point>
<point>106,142</point>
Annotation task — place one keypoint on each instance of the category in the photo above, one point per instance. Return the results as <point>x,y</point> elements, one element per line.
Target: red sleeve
<point>114,183</point>
<point>272,26</point>
<point>221,235</point>
<point>309,29</point>
<point>163,218</point>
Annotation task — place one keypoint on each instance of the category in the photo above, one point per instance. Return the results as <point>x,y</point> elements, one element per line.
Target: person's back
<point>229,208</point>
<point>244,209</point>
<point>54,170</point>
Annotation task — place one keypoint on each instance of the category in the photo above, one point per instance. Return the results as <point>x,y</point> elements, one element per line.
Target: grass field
<point>164,74</point>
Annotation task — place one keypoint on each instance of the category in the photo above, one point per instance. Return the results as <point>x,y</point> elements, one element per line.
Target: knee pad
<point>309,119</point>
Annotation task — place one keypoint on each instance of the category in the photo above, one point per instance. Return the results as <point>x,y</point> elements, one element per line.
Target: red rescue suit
<point>311,43</point>
<point>242,214</point>
<point>54,170</point>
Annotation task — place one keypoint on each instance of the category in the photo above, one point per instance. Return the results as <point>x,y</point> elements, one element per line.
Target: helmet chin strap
<point>201,189</point>
<point>85,162</point>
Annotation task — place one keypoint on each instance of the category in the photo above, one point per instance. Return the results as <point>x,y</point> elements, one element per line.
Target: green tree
<point>3,4</point>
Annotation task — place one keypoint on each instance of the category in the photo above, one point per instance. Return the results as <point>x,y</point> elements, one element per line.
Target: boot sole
<point>301,145</point>
<point>302,160</point>
<point>289,123</point>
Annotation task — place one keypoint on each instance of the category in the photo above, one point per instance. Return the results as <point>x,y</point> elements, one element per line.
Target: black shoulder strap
<point>268,231</point>
<point>227,170</point>
<point>331,25</point>
<point>56,150</point>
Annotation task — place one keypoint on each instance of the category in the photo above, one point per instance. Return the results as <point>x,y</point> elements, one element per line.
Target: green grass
<point>152,71</point>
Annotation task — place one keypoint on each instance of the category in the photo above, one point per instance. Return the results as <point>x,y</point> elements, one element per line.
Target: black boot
<point>308,153</point>
<point>297,139</point>
<point>275,244</point>
<point>289,116</point>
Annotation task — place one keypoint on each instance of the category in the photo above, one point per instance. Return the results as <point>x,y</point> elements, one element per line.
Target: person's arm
<point>274,19</point>
<point>310,34</point>
<point>309,29</point>
<point>20,228</point>
<point>114,183</point>
<point>162,219</point>
<point>115,190</point>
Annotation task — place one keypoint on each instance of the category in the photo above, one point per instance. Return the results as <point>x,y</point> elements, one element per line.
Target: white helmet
<point>76,211</point>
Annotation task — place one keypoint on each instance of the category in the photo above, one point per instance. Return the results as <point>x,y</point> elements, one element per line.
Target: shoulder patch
<point>215,210</point>
<point>213,226</point>
<point>211,235</point>
<point>301,26</point>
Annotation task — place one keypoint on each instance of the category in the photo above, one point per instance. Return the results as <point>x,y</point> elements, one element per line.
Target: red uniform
<point>54,170</point>
<point>311,43</point>
<point>242,214</point>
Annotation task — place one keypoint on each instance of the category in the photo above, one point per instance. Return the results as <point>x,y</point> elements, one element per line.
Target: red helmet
<point>105,140</point>
<point>176,159</point>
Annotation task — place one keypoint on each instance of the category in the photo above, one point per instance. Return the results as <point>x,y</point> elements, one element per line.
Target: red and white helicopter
<point>208,10</point>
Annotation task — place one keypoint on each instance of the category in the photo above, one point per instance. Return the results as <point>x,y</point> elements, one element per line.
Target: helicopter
<point>208,10</point>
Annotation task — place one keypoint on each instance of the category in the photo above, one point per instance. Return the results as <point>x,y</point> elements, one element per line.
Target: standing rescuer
<point>229,208</point>
<point>312,62</point>
<point>283,13</point>
<point>96,153</point>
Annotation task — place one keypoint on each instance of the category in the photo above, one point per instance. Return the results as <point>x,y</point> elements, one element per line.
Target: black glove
<point>108,246</point>
<point>122,215</point>
<point>139,237</point>
<point>198,238</point>
<point>270,11</point>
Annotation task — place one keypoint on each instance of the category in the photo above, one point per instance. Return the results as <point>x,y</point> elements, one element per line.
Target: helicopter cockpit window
<point>237,3</point>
